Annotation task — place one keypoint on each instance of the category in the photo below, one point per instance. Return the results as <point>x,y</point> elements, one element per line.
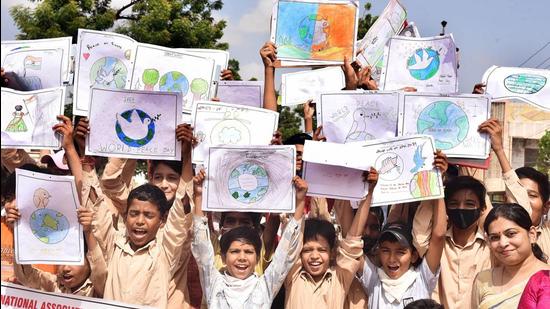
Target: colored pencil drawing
<point>248,182</point>
<point>389,166</point>
<point>108,72</point>
<point>17,124</point>
<point>135,128</point>
<point>418,160</point>
<point>524,83</point>
<point>423,64</point>
<point>446,122</point>
<point>424,184</point>
<point>320,31</point>
<point>47,225</point>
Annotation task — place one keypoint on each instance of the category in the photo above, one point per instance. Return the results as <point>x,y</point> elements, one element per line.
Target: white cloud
<point>257,20</point>
<point>252,69</point>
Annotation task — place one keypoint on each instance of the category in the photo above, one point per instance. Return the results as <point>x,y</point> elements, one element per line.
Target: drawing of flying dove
<point>41,198</point>
<point>135,128</point>
<point>421,61</point>
<point>418,159</point>
<point>358,131</point>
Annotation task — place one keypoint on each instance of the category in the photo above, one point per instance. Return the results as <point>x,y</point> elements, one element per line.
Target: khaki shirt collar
<point>124,244</point>
<point>478,236</point>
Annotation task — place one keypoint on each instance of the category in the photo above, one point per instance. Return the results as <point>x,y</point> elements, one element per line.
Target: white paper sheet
<point>134,124</point>
<point>358,116</point>
<point>221,57</point>
<point>298,87</point>
<point>427,64</point>
<point>249,93</point>
<point>333,181</point>
<point>173,71</point>
<point>452,120</point>
<point>48,231</point>
<point>103,59</point>
<point>28,118</point>
<point>36,68</point>
<point>217,123</point>
<point>523,84</point>
<point>63,43</point>
<point>388,24</point>
<point>255,178</point>
<point>405,166</point>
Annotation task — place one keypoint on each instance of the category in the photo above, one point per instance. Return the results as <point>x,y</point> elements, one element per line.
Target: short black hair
<point>316,227</point>
<point>152,194</point>
<point>174,165</point>
<point>466,182</point>
<point>424,304</point>
<point>254,217</point>
<point>540,178</point>
<point>244,234</point>
<point>8,187</point>
<point>379,213</point>
<point>297,139</point>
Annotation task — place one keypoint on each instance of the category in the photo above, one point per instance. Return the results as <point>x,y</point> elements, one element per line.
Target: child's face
<point>510,243</point>
<point>240,259</point>
<point>315,257</point>
<point>235,219</point>
<point>395,258</point>
<point>166,179</point>
<point>142,223</point>
<point>535,199</point>
<point>73,276</point>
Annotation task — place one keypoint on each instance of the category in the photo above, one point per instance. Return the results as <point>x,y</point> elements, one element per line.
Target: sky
<point>488,32</point>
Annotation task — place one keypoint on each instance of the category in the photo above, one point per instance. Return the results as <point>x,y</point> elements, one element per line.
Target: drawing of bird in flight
<point>418,159</point>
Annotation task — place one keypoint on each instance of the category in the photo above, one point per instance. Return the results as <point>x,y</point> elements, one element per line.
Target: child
<point>314,282</point>
<point>140,265</point>
<point>239,286</point>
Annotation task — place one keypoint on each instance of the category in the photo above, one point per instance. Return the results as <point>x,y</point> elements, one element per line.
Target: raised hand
<point>268,52</point>
<point>494,129</point>
<point>349,74</point>
<point>12,213</point>
<point>226,75</point>
<point>479,88</point>
<point>80,134</point>
<point>85,217</point>
<point>318,135</point>
<point>65,128</point>
<point>440,161</point>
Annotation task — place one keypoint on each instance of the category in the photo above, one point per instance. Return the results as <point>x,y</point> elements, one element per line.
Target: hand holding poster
<point>427,64</point>
<point>256,178</point>
<point>452,120</point>
<point>28,118</point>
<point>524,84</point>
<point>134,124</point>
<point>48,231</point>
<point>217,123</point>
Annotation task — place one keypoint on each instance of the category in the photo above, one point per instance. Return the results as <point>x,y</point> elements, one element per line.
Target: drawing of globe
<point>108,72</point>
<point>147,123</point>
<point>311,30</point>
<point>424,184</point>
<point>446,122</point>
<point>174,81</point>
<point>423,64</point>
<point>49,226</point>
<point>248,183</point>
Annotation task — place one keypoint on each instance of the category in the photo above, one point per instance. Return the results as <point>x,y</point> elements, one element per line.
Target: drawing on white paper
<point>109,72</point>
<point>446,122</point>
<point>248,182</point>
<point>418,160</point>
<point>424,183</point>
<point>423,64</point>
<point>358,131</point>
<point>230,130</point>
<point>174,81</point>
<point>32,63</point>
<point>17,124</point>
<point>47,225</point>
<point>135,128</point>
<point>150,78</point>
<point>199,87</point>
<point>389,166</point>
<point>524,83</point>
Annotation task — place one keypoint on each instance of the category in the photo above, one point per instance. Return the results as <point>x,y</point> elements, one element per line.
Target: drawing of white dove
<point>421,63</point>
<point>135,128</point>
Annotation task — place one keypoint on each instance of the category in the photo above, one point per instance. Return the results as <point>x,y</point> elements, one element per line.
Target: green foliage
<point>543,160</point>
<point>233,66</point>
<point>289,121</point>
<point>365,22</point>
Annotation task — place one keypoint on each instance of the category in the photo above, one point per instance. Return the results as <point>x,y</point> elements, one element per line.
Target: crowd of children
<point>153,245</point>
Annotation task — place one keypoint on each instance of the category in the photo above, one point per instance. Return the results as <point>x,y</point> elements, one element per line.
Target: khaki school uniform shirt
<point>142,276</point>
<point>330,292</point>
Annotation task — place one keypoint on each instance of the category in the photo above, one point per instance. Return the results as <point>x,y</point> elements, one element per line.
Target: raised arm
<point>176,232</point>
<point>65,128</point>
<point>184,133</point>
<point>115,181</point>
<point>360,219</point>
<point>309,111</point>
<point>437,239</point>
<point>268,52</point>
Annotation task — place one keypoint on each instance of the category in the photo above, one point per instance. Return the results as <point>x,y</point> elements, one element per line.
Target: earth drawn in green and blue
<point>446,122</point>
<point>429,63</point>
<point>174,81</point>
<point>49,226</point>
<point>109,72</point>
<point>248,183</point>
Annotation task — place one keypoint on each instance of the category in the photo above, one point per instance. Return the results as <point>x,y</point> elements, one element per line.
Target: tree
<point>365,22</point>
<point>289,121</point>
<point>543,160</point>
<point>233,65</point>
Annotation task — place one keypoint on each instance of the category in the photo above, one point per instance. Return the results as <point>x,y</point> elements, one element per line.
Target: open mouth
<point>393,269</point>
<point>66,278</point>
<point>241,267</point>
<point>139,233</point>
<point>315,265</point>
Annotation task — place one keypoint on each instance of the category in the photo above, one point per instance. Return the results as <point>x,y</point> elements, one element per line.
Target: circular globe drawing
<point>230,131</point>
<point>248,183</point>
<point>108,72</point>
<point>423,64</point>
<point>312,30</point>
<point>446,122</point>
<point>424,183</point>
<point>174,81</point>
<point>139,123</point>
<point>49,226</point>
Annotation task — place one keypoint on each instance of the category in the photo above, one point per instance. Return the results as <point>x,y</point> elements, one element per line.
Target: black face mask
<point>368,244</point>
<point>463,218</point>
